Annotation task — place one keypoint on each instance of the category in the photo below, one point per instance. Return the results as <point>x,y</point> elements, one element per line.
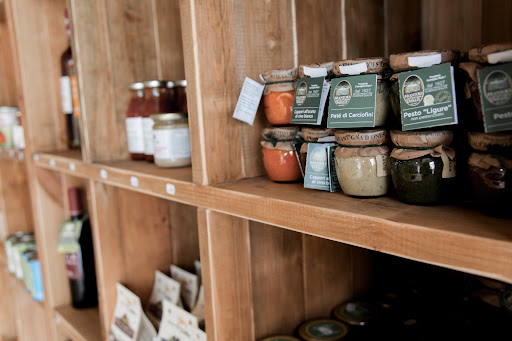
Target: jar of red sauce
<point>158,99</point>
<point>180,96</point>
<point>278,95</point>
<point>279,154</point>
<point>134,126</point>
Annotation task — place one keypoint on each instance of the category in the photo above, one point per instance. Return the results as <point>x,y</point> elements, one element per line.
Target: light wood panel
<point>8,302</point>
<point>402,20</point>
<point>497,27</point>
<point>31,319</point>
<point>184,235</point>
<point>365,31</point>
<point>78,324</point>
<point>8,93</point>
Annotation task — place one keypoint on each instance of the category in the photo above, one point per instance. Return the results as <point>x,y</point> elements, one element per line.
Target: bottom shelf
<point>78,324</point>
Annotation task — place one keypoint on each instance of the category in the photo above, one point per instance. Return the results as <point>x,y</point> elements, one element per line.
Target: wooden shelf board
<point>11,153</point>
<point>79,324</point>
<point>452,236</point>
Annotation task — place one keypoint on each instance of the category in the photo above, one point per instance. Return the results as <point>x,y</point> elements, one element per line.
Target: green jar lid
<point>356,313</point>
<point>323,329</point>
<point>280,338</point>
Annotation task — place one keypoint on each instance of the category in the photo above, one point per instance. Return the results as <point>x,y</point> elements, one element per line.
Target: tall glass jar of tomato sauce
<point>158,99</point>
<point>134,126</point>
<point>278,95</point>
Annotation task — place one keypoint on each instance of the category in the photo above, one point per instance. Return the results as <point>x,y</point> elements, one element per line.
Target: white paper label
<point>127,315</point>
<point>18,137</point>
<point>164,288</point>
<point>172,144</point>
<point>72,166</point>
<point>448,167</point>
<point>36,157</point>
<point>425,61</point>
<point>314,72</point>
<point>189,285</point>
<point>500,57</point>
<point>66,95</point>
<point>177,324</point>
<point>52,163</point>
<point>147,124</point>
<point>21,156</point>
<point>135,135</point>
<point>323,99</point>
<point>134,181</point>
<point>355,69</point>
<point>382,165</point>
<point>147,331</point>
<point>103,174</point>
<point>248,101</point>
<point>327,139</point>
<point>170,189</point>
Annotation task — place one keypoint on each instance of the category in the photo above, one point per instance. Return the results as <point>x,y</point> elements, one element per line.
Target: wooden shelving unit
<point>254,237</point>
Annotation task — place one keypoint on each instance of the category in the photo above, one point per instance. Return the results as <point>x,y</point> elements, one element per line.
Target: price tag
<point>52,163</point>
<point>72,166</point>
<point>134,181</point>
<point>248,101</point>
<point>21,156</point>
<point>170,189</point>
<point>103,174</point>
<point>36,157</point>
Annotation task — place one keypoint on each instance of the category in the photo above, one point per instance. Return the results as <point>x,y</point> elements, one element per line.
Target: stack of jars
<point>157,127</point>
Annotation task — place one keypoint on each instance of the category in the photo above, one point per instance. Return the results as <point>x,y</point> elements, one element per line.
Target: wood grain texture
<point>319,31</point>
<point>184,235</point>
<point>78,324</point>
<point>225,251</point>
<point>365,32</point>
<point>453,24</point>
<point>240,39</point>
<point>8,89</point>
<point>8,302</point>
<point>30,313</point>
<point>403,26</point>
<point>277,280</point>
<point>497,27</point>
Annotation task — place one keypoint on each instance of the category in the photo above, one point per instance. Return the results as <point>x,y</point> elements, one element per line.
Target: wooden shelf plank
<point>452,236</point>
<point>79,324</point>
<point>11,153</point>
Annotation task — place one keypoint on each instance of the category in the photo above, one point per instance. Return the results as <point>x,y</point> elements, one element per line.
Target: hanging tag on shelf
<point>248,101</point>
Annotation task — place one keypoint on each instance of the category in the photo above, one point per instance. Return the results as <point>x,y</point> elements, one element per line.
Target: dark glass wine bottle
<point>80,265</point>
<point>67,64</point>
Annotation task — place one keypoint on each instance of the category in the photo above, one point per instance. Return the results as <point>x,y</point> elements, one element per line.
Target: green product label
<point>309,101</point>
<point>427,97</point>
<point>326,330</point>
<point>320,169</point>
<point>496,94</point>
<point>352,102</point>
<point>69,234</point>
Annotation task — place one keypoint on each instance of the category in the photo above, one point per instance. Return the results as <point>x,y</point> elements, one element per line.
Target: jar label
<point>448,167</point>
<point>382,165</point>
<point>320,168</point>
<point>66,96</point>
<point>172,144</point>
<point>135,135</point>
<point>69,234</point>
<point>427,97</point>
<point>496,97</point>
<point>309,101</point>
<point>75,96</point>
<point>74,267</point>
<point>352,103</point>
<point>147,124</point>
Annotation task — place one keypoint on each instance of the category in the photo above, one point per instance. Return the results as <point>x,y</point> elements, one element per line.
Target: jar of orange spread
<point>278,95</point>
<point>279,154</point>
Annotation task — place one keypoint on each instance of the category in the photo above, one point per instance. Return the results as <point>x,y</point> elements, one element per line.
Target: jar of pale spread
<point>171,137</point>
<point>423,166</point>
<point>362,163</point>
<point>365,66</point>
<point>490,172</point>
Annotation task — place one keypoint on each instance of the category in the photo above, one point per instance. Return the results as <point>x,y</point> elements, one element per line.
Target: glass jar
<point>490,172</point>
<point>171,140</point>
<point>362,162</point>
<point>18,134</point>
<point>351,67</point>
<point>278,95</point>
<point>134,126</point>
<point>311,135</point>
<point>7,122</point>
<point>158,99</point>
<point>401,63</point>
<point>422,166</point>
<point>323,329</point>
<point>180,96</point>
<point>357,313</point>
<point>279,155</point>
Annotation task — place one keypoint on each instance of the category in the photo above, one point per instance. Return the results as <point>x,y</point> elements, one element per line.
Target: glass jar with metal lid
<point>323,329</point>
<point>171,138</point>
<point>134,119</point>
<point>158,99</point>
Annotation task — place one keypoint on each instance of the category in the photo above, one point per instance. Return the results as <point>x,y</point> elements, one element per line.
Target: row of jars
<point>421,166</point>
<point>157,123</point>
<point>11,130</point>
<point>23,262</point>
<point>279,92</point>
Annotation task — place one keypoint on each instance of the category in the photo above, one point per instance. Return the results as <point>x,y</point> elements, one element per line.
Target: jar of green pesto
<point>323,329</point>
<point>490,172</point>
<point>422,166</point>
<point>362,162</point>
<point>366,66</point>
<point>405,62</point>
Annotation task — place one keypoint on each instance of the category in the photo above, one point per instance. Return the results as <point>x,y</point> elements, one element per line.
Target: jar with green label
<point>423,166</point>
<point>312,135</point>
<point>362,162</point>
<point>367,66</point>
<point>280,158</point>
<point>490,172</point>
<point>171,139</point>
<point>323,329</point>
<point>405,62</point>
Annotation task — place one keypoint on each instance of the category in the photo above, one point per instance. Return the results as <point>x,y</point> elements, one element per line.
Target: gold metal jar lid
<point>323,329</point>
<point>280,338</point>
<point>356,313</point>
<point>169,117</point>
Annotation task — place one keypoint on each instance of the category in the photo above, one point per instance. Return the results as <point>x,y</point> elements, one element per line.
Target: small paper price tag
<point>248,101</point>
